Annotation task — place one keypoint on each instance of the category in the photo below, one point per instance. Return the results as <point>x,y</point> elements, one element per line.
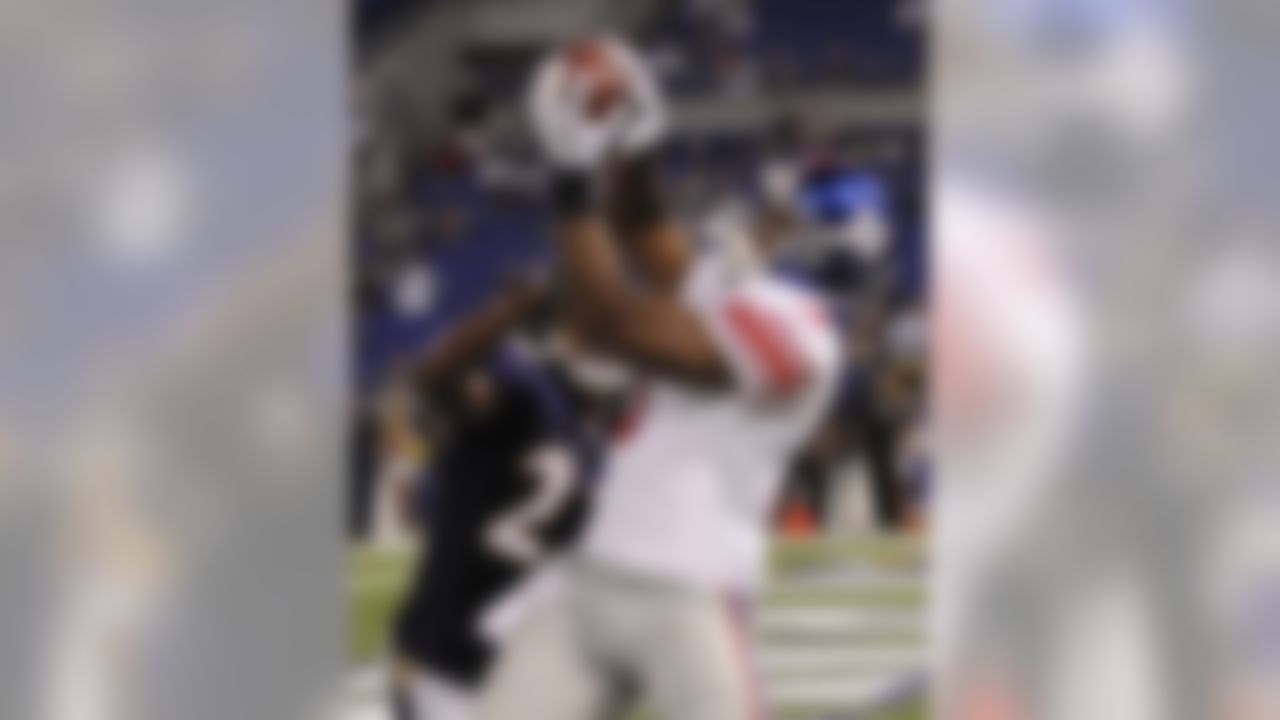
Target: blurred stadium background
<point>172,415</point>
<point>447,199</point>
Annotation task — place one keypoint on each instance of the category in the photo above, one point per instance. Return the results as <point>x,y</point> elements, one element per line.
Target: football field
<point>839,632</point>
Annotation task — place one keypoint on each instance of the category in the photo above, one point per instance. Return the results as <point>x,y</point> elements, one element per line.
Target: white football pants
<point>612,637</point>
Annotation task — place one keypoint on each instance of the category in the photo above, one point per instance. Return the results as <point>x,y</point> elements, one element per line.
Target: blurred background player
<point>741,366</point>
<point>513,424</point>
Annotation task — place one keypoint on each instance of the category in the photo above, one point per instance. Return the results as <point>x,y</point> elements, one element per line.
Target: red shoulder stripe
<point>769,345</point>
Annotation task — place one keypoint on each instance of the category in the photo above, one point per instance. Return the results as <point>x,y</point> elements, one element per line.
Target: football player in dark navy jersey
<point>515,436</point>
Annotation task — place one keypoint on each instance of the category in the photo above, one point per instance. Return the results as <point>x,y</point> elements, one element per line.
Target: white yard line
<point>802,660</point>
<point>850,579</point>
<point>826,623</point>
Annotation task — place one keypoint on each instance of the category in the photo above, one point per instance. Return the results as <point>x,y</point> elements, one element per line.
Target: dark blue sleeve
<point>529,390</point>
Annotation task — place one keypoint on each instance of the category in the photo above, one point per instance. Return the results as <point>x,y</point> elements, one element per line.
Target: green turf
<point>890,597</point>
<point>375,582</point>
<point>915,709</point>
<point>884,552</point>
<point>378,579</point>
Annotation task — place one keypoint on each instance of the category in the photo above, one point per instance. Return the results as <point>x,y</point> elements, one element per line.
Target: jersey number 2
<point>515,534</point>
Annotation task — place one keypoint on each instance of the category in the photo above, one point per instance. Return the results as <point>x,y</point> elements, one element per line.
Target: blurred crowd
<point>442,216</point>
<point>746,48</point>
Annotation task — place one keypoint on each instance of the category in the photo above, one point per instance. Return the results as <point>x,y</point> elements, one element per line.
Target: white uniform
<point>678,533</point>
<point>688,494</point>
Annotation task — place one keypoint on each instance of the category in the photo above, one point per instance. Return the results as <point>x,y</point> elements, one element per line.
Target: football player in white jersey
<point>740,367</point>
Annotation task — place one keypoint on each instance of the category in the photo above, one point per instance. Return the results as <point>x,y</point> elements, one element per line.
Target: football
<point>595,64</point>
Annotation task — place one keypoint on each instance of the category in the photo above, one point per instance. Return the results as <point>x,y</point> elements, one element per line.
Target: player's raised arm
<point>652,330</point>
<point>653,239</point>
<point>466,343</point>
<point>655,243</point>
<point>585,108</point>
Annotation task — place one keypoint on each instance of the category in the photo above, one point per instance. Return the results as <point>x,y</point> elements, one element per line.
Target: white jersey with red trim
<point>689,492</point>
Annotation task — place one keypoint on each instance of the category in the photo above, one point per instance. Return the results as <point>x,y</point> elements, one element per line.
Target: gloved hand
<point>594,100</point>
<point>644,125</point>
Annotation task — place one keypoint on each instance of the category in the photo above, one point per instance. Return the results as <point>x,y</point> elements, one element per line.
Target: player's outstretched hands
<point>592,100</point>
<point>646,124</point>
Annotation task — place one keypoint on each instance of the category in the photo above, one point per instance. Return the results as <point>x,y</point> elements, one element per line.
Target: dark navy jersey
<point>506,490</point>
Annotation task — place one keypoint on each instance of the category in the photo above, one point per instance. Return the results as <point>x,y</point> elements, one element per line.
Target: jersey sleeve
<point>776,344</point>
<point>528,402</point>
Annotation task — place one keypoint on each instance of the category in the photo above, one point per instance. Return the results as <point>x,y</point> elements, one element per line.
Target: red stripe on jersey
<point>628,422</point>
<point>818,314</point>
<point>769,345</point>
<point>739,637</point>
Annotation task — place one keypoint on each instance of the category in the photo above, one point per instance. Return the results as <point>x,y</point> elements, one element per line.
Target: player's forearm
<point>636,203</point>
<point>473,338</point>
<point>639,214</point>
<point>597,287</point>
<point>592,273</point>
